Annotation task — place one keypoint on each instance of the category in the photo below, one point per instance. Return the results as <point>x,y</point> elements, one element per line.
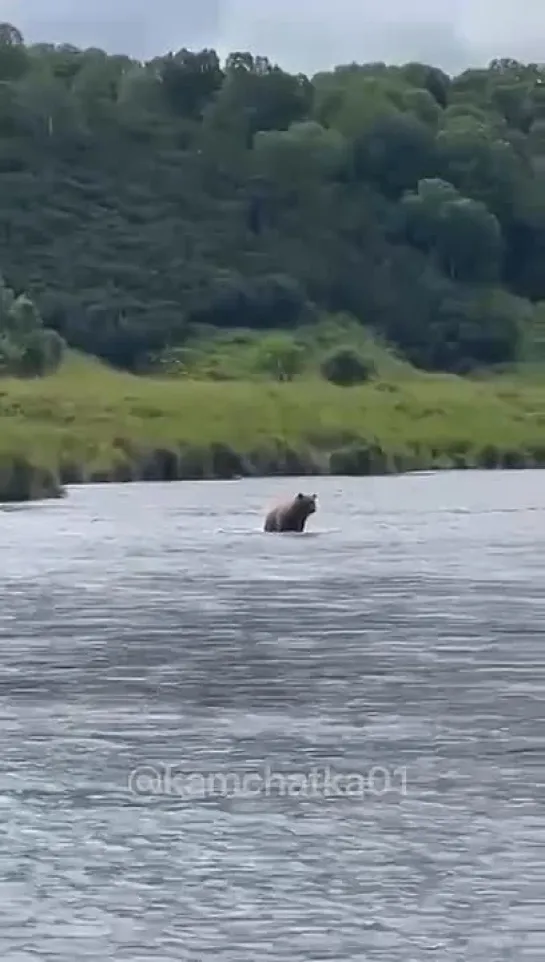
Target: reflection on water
<point>325,746</point>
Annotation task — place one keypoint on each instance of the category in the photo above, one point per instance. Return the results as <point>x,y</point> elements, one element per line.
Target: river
<point>222,744</point>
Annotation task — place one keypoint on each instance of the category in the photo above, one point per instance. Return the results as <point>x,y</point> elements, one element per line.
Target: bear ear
<point>300,496</point>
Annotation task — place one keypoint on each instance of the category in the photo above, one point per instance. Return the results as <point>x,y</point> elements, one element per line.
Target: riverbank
<point>88,423</point>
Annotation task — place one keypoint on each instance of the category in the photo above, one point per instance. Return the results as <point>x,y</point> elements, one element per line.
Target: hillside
<point>139,202</point>
<point>273,273</point>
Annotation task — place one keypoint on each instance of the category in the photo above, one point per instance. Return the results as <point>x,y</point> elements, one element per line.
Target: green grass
<point>90,422</point>
<point>234,355</point>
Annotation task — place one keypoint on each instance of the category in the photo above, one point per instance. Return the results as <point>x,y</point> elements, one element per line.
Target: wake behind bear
<point>291,515</point>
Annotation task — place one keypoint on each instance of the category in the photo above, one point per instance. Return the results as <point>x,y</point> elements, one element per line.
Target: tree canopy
<point>139,200</point>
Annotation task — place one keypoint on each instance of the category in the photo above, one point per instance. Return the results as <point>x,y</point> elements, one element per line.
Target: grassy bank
<point>88,423</point>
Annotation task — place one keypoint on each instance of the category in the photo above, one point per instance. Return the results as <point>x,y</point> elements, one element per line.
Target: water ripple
<point>306,748</point>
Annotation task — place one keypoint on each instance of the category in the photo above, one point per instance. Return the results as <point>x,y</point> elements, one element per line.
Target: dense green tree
<point>141,200</point>
<point>435,81</point>
<point>26,346</point>
<point>302,157</point>
<point>256,95</point>
<point>462,234</point>
<point>396,152</point>
<point>13,55</point>
<point>189,80</point>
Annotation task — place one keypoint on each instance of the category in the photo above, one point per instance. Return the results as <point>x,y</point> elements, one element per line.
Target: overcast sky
<point>306,35</point>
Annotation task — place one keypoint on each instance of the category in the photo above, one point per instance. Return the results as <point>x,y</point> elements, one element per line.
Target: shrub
<point>346,367</point>
<point>26,346</point>
<point>42,353</point>
<point>280,357</point>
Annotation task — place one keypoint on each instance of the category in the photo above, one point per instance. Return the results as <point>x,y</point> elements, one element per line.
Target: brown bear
<point>291,515</point>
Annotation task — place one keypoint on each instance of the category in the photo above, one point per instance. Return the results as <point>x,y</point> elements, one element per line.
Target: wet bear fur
<point>291,515</point>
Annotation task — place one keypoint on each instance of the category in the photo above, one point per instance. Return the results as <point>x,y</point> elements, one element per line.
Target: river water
<point>222,744</point>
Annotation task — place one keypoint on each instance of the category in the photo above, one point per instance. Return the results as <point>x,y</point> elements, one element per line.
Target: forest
<point>141,202</point>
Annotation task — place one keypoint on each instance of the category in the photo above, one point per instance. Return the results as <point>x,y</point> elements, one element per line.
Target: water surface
<point>216,743</point>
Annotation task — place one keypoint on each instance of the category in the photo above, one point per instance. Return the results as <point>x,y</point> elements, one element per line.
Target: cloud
<point>306,35</point>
